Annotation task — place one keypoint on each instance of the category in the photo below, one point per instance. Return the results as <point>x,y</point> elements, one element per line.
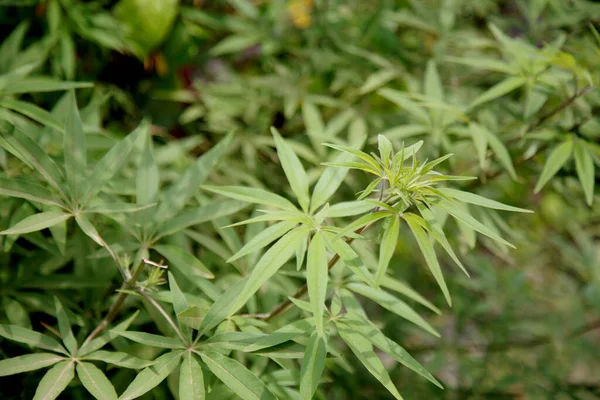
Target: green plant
<point>211,241</point>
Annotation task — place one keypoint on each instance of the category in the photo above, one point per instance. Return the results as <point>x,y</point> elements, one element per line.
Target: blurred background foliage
<point>505,85</point>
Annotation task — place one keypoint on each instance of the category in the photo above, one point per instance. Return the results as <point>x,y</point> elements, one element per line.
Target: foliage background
<point>524,325</point>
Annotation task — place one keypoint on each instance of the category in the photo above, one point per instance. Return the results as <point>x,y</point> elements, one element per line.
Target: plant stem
<point>116,306</point>
<point>165,315</point>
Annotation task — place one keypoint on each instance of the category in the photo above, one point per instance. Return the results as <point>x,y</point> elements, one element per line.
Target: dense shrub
<point>288,199</point>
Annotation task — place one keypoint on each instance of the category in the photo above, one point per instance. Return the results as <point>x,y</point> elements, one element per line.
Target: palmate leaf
<point>317,276</point>
<point>237,377</point>
<point>28,362</point>
<point>313,365</point>
<point>152,376</point>
<point>428,251</point>
<point>293,169</point>
<point>270,263</point>
<point>94,380</point>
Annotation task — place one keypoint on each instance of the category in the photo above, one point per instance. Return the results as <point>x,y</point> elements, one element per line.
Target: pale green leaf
<point>74,149</point>
<point>118,358</point>
<point>393,304</point>
<point>294,171</point>
<point>32,111</point>
<point>94,380</point>
<point>313,365</point>
<point>557,158</point>
<point>269,264</point>
<point>317,276</point>
<point>433,84</point>
<point>264,238</point>
<point>222,307</point>
<point>183,261</point>
<point>584,164</point>
<point>191,379</point>
<point>150,339</point>
<point>253,195</point>
<point>481,201</point>
<point>28,362</point>
<point>23,189</point>
<point>147,178</point>
<point>428,252</point>
<point>499,90</point>
<point>387,247</point>
<point>37,222</point>
<point>64,327</point>
<point>237,377</point>
<point>55,381</point>
<point>152,376</point>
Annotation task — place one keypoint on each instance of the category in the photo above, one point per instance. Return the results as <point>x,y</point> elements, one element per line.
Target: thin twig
<point>164,313</point>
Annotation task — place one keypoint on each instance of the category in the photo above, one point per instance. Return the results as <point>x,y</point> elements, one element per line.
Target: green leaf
<point>294,171</point>
<point>74,149</point>
<point>88,228</point>
<point>115,208</point>
<point>317,276</point>
<point>153,375</point>
<point>480,140</point>
<point>235,44</point>
<point>64,327</point>
<point>481,201</point>
<point>147,180</point>
<point>433,84</point>
<point>365,220</point>
<point>329,181</point>
<point>312,365</point>
<point>32,154</point>
<point>112,162</point>
<point>387,247</point>
<point>363,350</point>
<point>118,358</point>
<point>469,221</point>
<point>191,379</point>
<point>180,303</point>
<point>402,101</point>
<point>400,287</point>
<point>197,215</point>
<point>189,182</point>
<point>269,264</point>
<point>501,152</point>
<point>222,307</point>
<point>499,90</point>
<point>281,335</point>
<point>24,189</point>
<point>39,85</point>
<point>150,339</point>
<point>94,380</point>
<point>28,362</point>
<point>369,331</point>
<point>315,128</point>
<point>349,208</point>
<point>37,222</point>
<point>584,164</point>
<point>237,377</point>
<point>351,259</point>
<point>55,381</point>
<point>377,80</point>
<point>253,195</point>
<point>438,234</point>
<point>393,304</point>
<point>264,238</point>
<point>32,111</point>
<point>106,337</point>
<point>428,251</point>
<point>184,262</point>
<point>557,158</point>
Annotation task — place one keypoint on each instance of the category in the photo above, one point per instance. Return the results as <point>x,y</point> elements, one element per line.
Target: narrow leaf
<point>191,379</point>
<point>222,307</point>
<point>55,381</point>
<point>584,164</point>
<point>152,376</point>
<point>64,327</point>
<point>317,276</point>
<point>118,358</point>
<point>499,90</point>
<point>263,239</point>
<point>253,195</point>
<point>23,189</point>
<point>150,339</point>
<point>556,160</point>
<point>94,380</point>
<point>237,377</point>
<point>312,365</point>
<point>37,222</point>
<point>184,262</point>
<point>387,247</point>
<point>293,169</point>
<point>28,362</point>
<point>477,200</point>
<point>74,148</point>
